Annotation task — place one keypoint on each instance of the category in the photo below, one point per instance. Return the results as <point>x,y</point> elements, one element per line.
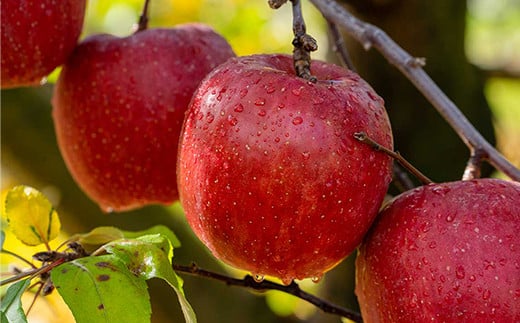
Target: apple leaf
<point>149,256</point>
<point>30,216</point>
<point>11,310</point>
<point>2,239</point>
<point>102,289</point>
<point>102,235</point>
<point>160,229</point>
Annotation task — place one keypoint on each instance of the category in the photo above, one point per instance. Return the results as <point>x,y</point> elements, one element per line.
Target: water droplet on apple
<point>306,155</point>
<point>486,294</point>
<point>210,117</point>
<point>239,108</point>
<point>297,121</point>
<point>460,272</point>
<point>450,217</point>
<point>439,190</point>
<point>260,102</point>
<point>270,88</point>
<point>287,281</point>
<point>432,245</point>
<point>243,93</point>
<point>258,278</point>
<point>297,91</point>
<point>262,113</point>
<point>232,120</point>
<point>316,279</point>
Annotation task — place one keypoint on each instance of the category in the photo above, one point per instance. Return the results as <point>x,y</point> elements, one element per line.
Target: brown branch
<point>339,46</point>
<point>364,138</point>
<point>472,169</point>
<point>265,285</point>
<point>401,179</point>
<point>143,19</point>
<point>370,36</point>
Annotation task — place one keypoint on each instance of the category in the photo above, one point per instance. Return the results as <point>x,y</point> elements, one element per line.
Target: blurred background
<point>472,49</point>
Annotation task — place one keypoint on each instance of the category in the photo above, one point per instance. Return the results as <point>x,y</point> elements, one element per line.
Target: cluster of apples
<point>266,165</point>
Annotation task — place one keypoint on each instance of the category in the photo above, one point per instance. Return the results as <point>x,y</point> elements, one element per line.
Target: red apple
<point>270,175</point>
<point>37,36</point>
<point>444,253</point>
<point>119,104</point>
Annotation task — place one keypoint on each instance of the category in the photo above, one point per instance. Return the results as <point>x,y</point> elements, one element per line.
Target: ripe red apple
<point>37,36</point>
<point>270,175</point>
<point>119,104</point>
<point>444,253</point>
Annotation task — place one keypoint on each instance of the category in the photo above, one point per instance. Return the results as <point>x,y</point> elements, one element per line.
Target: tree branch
<point>371,36</point>
<point>265,285</point>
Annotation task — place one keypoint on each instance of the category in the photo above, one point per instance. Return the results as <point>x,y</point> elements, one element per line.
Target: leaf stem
<point>18,257</point>
<point>249,282</point>
<point>364,138</point>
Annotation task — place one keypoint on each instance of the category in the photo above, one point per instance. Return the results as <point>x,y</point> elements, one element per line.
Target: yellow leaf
<point>30,216</point>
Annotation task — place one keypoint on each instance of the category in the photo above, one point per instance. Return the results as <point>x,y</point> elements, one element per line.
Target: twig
<point>472,169</point>
<point>143,19</point>
<point>264,285</point>
<point>339,46</point>
<point>364,138</point>
<point>369,35</point>
<point>401,179</point>
<point>18,257</point>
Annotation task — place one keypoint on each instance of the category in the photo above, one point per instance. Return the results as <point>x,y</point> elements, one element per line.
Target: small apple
<point>118,109</point>
<point>37,36</point>
<point>445,252</point>
<point>270,175</point>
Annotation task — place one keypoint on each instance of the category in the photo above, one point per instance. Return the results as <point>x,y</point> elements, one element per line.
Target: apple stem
<point>369,35</point>
<point>303,44</point>
<point>143,19</point>
<point>249,282</point>
<point>339,46</point>
<point>364,138</point>
<point>472,169</point>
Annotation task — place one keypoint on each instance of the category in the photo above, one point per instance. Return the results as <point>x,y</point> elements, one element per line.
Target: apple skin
<point>269,173</point>
<point>444,253</point>
<point>37,36</point>
<point>118,108</point>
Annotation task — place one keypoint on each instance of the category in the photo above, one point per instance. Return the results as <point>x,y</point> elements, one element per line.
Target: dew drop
<point>243,93</point>
<point>486,294</point>
<point>262,113</point>
<point>270,88</point>
<point>281,105</point>
<point>210,118</point>
<point>297,121</point>
<point>432,245</point>
<point>232,120</point>
<point>277,139</point>
<point>450,217</point>
<point>258,278</point>
<point>306,155</point>
<point>472,278</point>
<point>297,91</point>
<point>239,107</point>
<point>460,272</point>
<point>316,279</point>
<point>260,102</point>
<point>287,281</point>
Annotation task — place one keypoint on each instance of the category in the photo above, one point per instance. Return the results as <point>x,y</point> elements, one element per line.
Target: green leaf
<point>102,235</point>
<point>2,239</point>
<point>98,236</point>
<point>149,256</point>
<point>30,216</point>
<point>160,229</point>
<point>11,308</point>
<point>102,289</point>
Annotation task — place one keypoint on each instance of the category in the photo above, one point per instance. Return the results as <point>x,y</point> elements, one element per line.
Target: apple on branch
<point>444,253</point>
<point>37,36</point>
<point>119,105</point>
<point>270,175</point>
